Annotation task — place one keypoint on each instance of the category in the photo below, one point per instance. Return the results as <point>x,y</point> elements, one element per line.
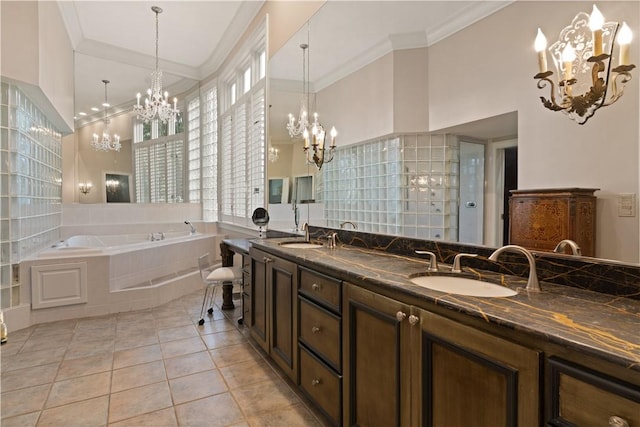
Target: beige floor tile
<point>172,321</point>
<point>85,366</point>
<point>246,373</point>
<point>26,420</point>
<point>46,342</point>
<point>264,396</point>
<point>29,377</point>
<point>137,375</point>
<point>188,364</point>
<point>90,347</point>
<point>162,418</point>
<point>221,339</point>
<point>107,332</point>
<point>177,333</point>
<point>215,326</point>
<point>32,358</point>
<point>146,327</point>
<point>23,401</point>
<point>135,356</point>
<point>197,386</point>
<point>139,401</point>
<point>139,316</point>
<point>218,410</point>
<point>297,415</point>
<point>59,327</point>
<point>232,354</point>
<point>86,413</point>
<point>137,339</point>
<point>182,347</point>
<point>11,347</point>
<point>80,388</point>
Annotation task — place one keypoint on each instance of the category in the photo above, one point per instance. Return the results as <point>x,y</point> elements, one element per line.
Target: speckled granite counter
<point>601,325</point>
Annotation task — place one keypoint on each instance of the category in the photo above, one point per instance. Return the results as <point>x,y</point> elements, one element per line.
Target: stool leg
<point>211,299</point>
<point>207,290</point>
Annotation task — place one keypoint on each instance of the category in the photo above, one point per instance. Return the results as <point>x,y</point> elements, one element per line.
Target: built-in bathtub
<point>88,275</point>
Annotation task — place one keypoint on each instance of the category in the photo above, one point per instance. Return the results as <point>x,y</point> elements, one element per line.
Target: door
<point>471,209</point>
<point>259,317</point>
<point>283,288</point>
<point>510,183</point>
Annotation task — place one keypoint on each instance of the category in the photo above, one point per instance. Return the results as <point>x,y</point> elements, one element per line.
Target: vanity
<point>367,346</point>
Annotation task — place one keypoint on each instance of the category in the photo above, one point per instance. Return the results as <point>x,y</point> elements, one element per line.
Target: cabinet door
<point>376,364</point>
<point>259,316</point>
<point>283,287</point>
<point>471,378</point>
<point>246,290</point>
<point>579,396</point>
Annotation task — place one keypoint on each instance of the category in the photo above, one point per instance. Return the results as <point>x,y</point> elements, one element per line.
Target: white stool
<point>214,277</point>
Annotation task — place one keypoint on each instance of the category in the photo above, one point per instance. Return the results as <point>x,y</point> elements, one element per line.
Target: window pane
<point>233,93</point>
<point>247,80</point>
<point>262,65</point>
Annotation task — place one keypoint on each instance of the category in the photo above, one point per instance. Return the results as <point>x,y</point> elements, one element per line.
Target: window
<point>193,138</point>
<point>247,80</point>
<point>232,93</point>
<point>209,153</point>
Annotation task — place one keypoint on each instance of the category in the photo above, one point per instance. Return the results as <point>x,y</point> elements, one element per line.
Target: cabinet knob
<point>413,320</point>
<point>315,287</point>
<point>616,421</point>
<point>316,329</point>
<point>267,259</point>
<point>401,316</point>
<point>315,382</point>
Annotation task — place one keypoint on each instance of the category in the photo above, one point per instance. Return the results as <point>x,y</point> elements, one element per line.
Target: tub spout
<point>532,284</point>
<point>193,229</point>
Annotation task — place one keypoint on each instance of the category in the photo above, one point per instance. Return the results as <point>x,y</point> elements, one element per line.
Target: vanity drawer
<point>320,331</point>
<point>321,385</point>
<point>321,288</point>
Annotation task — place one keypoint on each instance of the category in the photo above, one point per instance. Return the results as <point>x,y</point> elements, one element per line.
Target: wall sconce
<point>85,187</point>
<point>583,60</point>
<point>112,185</point>
<point>274,154</point>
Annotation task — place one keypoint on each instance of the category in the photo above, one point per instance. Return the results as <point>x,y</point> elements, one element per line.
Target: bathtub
<point>88,275</point>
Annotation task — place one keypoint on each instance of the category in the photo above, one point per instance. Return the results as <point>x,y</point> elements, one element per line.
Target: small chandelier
<point>85,187</point>
<point>583,59</point>
<point>274,154</point>
<point>156,105</point>
<point>106,142</point>
<point>313,134</point>
<point>112,185</point>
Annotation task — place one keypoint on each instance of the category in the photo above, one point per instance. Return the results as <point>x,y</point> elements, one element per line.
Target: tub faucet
<point>305,228</point>
<point>532,284</point>
<point>193,229</point>
<point>355,227</point>
<point>575,249</point>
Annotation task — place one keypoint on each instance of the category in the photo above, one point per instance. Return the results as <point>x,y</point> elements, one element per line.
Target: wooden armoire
<point>541,218</point>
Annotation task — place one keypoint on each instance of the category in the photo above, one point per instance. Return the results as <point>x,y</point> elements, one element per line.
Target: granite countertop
<point>592,323</point>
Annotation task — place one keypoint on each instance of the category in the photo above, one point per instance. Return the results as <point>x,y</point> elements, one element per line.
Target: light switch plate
<point>627,205</point>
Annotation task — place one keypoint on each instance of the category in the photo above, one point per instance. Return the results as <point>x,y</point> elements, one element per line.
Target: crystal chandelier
<point>313,134</point>
<point>156,105</point>
<point>583,57</point>
<point>274,154</point>
<point>106,142</point>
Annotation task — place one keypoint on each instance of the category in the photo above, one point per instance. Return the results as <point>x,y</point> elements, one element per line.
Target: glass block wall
<point>30,186</point>
<point>403,185</point>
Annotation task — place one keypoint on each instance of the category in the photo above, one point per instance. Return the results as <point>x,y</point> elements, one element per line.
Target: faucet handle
<point>456,261</point>
<point>433,262</point>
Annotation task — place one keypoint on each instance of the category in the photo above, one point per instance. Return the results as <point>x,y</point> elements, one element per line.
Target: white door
<point>470,221</point>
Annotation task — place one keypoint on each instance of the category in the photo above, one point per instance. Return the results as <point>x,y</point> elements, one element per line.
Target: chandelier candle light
<point>156,104</point>
<point>107,142</point>
<point>588,40</point>
<point>313,134</point>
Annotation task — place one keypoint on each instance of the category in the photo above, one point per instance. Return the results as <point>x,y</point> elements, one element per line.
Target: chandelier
<point>314,135</point>
<point>583,57</point>
<point>106,142</point>
<point>156,105</point>
<point>274,154</point>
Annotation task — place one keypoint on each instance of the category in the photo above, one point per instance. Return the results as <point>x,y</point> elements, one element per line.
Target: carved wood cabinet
<point>540,219</point>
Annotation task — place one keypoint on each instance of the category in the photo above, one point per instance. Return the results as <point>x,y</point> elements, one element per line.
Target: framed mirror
<point>117,189</point>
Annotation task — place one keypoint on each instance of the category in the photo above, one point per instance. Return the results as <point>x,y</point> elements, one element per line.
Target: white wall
<point>488,68</point>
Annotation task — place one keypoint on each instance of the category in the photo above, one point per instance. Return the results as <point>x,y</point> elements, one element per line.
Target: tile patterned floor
<point>154,367</point>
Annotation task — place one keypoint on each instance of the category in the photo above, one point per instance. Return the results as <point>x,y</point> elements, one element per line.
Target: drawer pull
<point>316,329</point>
<point>315,287</point>
<point>401,316</point>
<point>315,382</point>
<point>616,421</point>
<point>413,320</point>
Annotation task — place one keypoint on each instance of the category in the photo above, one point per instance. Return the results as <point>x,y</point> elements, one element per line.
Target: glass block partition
<point>402,185</point>
<point>30,186</point>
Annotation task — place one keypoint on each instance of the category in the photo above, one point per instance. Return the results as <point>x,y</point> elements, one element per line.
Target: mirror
<point>382,69</point>
<point>117,188</point>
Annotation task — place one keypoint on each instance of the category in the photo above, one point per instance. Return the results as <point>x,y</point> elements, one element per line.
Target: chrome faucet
<point>193,229</point>
<point>433,262</point>
<point>575,249</point>
<point>456,261</point>
<point>305,228</point>
<point>532,284</point>
<point>355,227</point>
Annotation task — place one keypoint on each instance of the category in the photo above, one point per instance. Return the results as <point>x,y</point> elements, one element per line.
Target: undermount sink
<point>301,245</point>
<point>463,286</point>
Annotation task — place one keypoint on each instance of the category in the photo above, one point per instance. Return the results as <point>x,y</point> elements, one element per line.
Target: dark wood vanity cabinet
<point>540,219</point>
<point>273,321</point>
<point>246,289</point>
<point>407,366</point>
<point>580,396</point>
<point>320,341</point>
